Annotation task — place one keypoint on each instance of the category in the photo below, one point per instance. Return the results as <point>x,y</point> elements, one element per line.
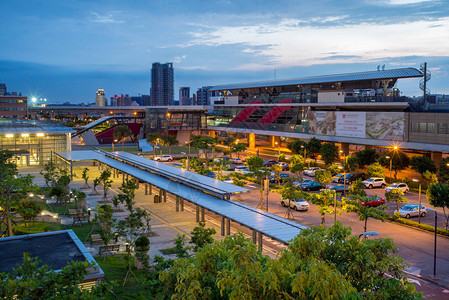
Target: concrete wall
<point>428,128</point>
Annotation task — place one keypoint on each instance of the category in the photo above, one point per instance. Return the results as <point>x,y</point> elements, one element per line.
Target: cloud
<point>104,19</point>
<point>288,44</point>
<point>405,2</point>
<point>192,68</point>
<point>179,59</point>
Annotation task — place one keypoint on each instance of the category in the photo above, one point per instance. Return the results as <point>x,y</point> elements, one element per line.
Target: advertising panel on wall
<point>385,125</point>
<point>351,124</point>
<point>322,122</point>
<point>371,125</point>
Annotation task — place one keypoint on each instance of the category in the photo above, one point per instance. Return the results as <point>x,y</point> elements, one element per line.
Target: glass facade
<point>162,119</point>
<point>34,149</point>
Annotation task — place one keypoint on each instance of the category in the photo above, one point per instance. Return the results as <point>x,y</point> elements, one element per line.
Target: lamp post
<point>367,234</point>
<point>188,161</point>
<point>344,179</point>
<point>279,147</point>
<point>335,206</point>
<point>391,164</point>
<point>419,197</point>
<point>435,245</point>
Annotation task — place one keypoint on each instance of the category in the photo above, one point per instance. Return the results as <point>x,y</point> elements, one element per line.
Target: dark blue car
<point>211,174</point>
<point>311,186</point>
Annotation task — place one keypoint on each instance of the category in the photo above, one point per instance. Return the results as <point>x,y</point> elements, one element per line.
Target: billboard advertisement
<point>351,124</point>
<point>371,125</point>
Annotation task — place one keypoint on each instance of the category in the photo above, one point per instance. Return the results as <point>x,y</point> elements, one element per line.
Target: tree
<point>40,282</point>
<point>290,193</point>
<point>366,157</point>
<point>400,161</point>
<point>128,188</point>
<point>421,164</point>
<point>255,165</point>
<point>431,177</point>
<point>29,210</point>
<point>319,263</point>
<point>106,221</point>
<point>376,170</point>
<point>313,147</point>
<point>107,183</point>
<point>170,140</point>
<point>85,177</point>
<point>334,169</point>
<point>438,196</point>
<point>277,169</point>
<point>357,189</point>
<point>97,182</point>
<point>204,143</point>
<point>153,139</point>
<point>350,163</point>
<point>444,169</point>
<point>323,177</point>
<point>397,196</point>
<point>297,146</point>
<point>237,148</point>
<point>49,172</point>
<point>120,133</point>
<point>354,204</point>
<point>329,153</point>
<point>325,201</point>
<point>202,236</point>
<point>228,141</point>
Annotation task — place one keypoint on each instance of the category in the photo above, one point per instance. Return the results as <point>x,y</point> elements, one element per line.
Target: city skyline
<point>66,51</point>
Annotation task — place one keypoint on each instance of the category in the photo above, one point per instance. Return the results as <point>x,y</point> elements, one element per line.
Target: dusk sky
<point>65,50</point>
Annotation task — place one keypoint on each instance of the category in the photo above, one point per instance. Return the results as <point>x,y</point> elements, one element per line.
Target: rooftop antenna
<point>378,67</point>
<point>383,68</point>
<point>274,74</point>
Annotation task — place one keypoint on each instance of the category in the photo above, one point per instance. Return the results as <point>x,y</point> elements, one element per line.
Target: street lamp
<point>188,161</point>
<point>335,207</point>
<point>419,197</point>
<point>279,147</point>
<point>435,246</point>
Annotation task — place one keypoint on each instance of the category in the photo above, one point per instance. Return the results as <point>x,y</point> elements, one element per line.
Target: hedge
<point>38,227</point>
<point>420,225</point>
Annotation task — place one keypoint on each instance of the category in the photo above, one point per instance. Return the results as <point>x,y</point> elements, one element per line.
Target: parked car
<point>211,174</point>
<point>339,188</point>
<point>311,186</point>
<point>375,182</point>
<point>164,158</point>
<point>304,181</point>
<point>300,204</point>
<point>412,210</point>
<point>284,165</point>
<point>236,161</point>
<point>282,178</point>
<point>229,180</point>
<point>311,171</point>
<point>351,177</point>
<point>242,170</point>
<point>269,163</point>
<point>336,177</point>
<point>373,202</point>
<point>398,186</point>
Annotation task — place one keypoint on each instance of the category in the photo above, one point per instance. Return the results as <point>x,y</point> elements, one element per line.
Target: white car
<point>412,210</point>
<point>311,171</point>
<point>236,160</point>
<point>398,186</point>
<point>299,204</point>
<point>229,180</point>
<point>375,182</point>
<point>163,158</point>
<point>242,170</point>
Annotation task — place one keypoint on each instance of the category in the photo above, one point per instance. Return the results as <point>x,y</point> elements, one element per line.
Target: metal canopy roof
<point>271,225</point>
<point>370,75</point>
<point>14,126</point>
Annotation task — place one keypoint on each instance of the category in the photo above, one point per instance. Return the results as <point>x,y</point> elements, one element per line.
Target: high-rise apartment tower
<point>100,98</point>
<point>162,84</point>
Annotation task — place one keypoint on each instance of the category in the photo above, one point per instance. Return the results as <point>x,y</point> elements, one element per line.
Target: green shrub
<point>420,225</point>
<point>142,243</point>
<point>313,164</point>
<point>36,228</point>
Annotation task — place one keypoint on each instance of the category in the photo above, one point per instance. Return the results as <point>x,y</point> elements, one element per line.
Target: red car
<point>373,202</point>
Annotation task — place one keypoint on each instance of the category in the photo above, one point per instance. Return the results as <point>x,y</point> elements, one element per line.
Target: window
<point>442,128</point>
<point>415,127</point>
<point>430,127</point>
<point>422,127</point>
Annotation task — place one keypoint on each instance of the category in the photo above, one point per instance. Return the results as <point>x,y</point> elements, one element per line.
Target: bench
<point>96,239</point>
<point>74,212</point>
<point>105,249</point>
<point>80,219</point>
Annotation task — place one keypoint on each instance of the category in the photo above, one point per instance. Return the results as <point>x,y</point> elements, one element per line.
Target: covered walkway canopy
<point>213,195</point>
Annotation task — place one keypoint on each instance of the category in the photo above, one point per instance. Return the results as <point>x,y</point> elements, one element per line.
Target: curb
<point>427,279</point>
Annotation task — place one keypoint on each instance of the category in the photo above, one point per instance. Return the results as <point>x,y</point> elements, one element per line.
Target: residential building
<point>162,84</point>
<point>12,105</point>
<point>100,99</point>
<point>184,96</point>
<point>204,95</point>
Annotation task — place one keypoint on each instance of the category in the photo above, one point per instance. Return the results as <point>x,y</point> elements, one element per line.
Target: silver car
<point>412,210</point>
<point>299,204</point>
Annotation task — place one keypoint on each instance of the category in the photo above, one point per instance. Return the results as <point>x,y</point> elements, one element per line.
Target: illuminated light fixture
<point>395,147</point>
<point>168,115</point>
<point>40,134</point>
<point>135,113</point>
<point>25,135</point>
<point>10,135</point>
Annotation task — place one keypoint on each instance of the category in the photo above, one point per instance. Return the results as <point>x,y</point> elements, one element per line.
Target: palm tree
<point>120,133</point>
<point>153,138</point>
<point>170,140</point>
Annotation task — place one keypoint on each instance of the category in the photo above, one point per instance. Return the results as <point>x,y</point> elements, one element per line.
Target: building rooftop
<point>358,76</point>
<point>55,249</point>
<point>14,126</point>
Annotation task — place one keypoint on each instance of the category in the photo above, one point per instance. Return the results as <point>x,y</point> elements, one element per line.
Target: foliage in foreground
<point>321,263</point>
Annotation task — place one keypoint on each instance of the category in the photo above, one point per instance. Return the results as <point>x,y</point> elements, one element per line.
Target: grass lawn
<point>168,251</point>
<point>38,227</point>
<point>83,231</point>
<point>60,208</point>
<point>118,147</point>
<point>115,268</point>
